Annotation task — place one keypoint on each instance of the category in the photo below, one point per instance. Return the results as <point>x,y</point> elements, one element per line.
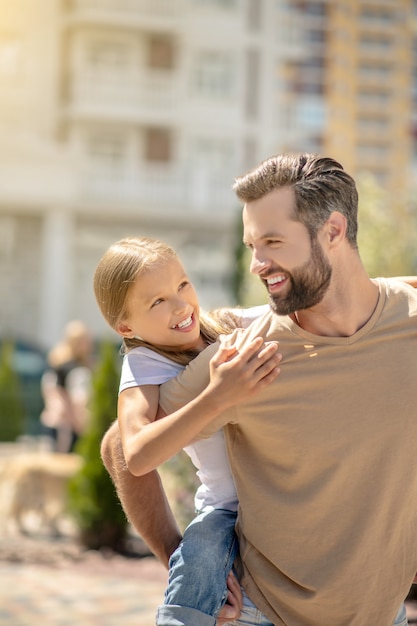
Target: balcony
<point>166,191</point>
<point>150,97</point>
<point>290,37</point>
<point>125,12</point>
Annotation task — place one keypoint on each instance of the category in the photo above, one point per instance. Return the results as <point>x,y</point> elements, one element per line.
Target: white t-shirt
<point>142,366</point>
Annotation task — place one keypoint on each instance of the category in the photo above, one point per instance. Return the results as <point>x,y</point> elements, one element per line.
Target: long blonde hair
<point>118,271</point>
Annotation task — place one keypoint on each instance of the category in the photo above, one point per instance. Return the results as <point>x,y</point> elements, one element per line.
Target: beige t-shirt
<point>325,465</point>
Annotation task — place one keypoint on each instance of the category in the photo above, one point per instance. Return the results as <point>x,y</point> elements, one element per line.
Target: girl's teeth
<point>184,323</point>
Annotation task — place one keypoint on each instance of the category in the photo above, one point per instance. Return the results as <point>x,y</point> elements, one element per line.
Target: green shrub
<point>93,502</point>
<point>12,410</point>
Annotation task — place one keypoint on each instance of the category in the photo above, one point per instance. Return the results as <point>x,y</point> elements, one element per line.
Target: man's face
<point>293,268</point>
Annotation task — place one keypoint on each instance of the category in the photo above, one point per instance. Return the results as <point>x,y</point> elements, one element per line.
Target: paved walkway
<point>41,595</point>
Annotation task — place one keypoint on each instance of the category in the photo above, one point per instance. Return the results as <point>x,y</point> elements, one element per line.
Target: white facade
<point>128,117</point>
<point>132,117</point>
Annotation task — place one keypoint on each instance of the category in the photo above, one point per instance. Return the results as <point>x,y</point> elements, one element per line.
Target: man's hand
<point>231,610</point>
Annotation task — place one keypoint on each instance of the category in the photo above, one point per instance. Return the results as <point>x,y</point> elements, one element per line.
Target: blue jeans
<point>198,570</point>
<point>251,616</point>
<point>401,617</point>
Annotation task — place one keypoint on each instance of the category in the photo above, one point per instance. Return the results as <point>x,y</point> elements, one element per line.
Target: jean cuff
<point>175,615</point>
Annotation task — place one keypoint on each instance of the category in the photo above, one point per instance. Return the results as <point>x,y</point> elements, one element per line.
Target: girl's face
<point>163,308</point>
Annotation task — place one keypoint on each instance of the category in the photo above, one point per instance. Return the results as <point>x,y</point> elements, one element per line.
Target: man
<point>324,459</point>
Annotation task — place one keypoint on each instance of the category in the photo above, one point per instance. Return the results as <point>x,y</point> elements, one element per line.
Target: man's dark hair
<point>320,185</point>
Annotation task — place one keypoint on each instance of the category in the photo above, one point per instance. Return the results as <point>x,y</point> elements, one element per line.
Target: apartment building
<point>354,87</point>
<point>123,117</point>
<point>131,117</point>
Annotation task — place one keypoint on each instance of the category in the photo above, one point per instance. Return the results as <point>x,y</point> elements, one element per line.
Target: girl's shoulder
<point>247,316</point>
<point>142,366</point>
<point>141,353</point>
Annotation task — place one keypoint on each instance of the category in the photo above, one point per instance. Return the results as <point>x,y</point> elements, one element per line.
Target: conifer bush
<point>93,502</point>
<point>12,410</point>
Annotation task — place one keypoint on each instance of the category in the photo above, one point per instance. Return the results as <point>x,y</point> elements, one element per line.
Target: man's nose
<point>258,263</point>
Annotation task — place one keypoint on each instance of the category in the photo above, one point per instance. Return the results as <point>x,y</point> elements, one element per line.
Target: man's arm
<point>147,508</point>
<point>143,499</point>
<point>410,280</point>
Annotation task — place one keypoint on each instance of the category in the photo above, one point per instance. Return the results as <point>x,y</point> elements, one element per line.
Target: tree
<point>12,410</point>
<point>93,501</point>
<point>387,234</point>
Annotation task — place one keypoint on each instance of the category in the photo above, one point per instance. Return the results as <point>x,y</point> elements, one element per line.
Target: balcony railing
<point>162,8</point>
<point>131,96</point>
<point>164,190</point>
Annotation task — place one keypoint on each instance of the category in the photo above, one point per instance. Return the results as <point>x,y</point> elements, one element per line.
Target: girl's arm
<point>234,377</point>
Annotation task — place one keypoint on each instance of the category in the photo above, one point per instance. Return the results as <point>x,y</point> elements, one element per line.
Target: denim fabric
<point>401,617</point>
<point>250,615</point>
<point>198,571</point>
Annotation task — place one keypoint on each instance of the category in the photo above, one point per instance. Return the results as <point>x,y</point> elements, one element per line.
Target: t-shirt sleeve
<point>142,366</point>
<point>177,392</point>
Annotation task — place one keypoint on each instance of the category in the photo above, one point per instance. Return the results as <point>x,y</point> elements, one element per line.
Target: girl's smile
<point>186,325</point>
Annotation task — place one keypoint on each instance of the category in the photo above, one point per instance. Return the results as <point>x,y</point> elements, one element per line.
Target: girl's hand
<point>233,607</point>
<point>237,374</point>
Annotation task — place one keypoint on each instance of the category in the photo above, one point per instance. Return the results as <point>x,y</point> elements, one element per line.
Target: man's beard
<point>308,284</point>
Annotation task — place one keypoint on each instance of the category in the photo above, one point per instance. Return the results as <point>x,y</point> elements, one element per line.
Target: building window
<point>107,59</point>
<point>213,74</point>
<point>311,8</point>
<point>161,53</point>
<point>221,4</point>
<point>107,153</point>
<point>375,44</point>
<point>316,36</point>
<point>373,124</point>
<point>311,114</point>
<point>254,15</point>
<point>372,151</point>
<point>375,72</point>
<point>373,98</point>
<point>253,62</point>
<point>377,16</point>
<point>158,145</point>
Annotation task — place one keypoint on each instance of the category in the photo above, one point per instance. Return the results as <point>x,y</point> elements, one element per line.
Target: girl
<point>146,296</point>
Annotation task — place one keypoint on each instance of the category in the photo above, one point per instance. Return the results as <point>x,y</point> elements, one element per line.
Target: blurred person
<point>65,387</point>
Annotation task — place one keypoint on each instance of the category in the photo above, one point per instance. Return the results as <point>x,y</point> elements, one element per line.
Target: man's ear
<point>335,228</point>
<point>125,331</point>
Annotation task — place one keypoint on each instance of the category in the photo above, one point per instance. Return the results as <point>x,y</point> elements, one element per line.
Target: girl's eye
<point>184,284</point>
<point>157,302</point>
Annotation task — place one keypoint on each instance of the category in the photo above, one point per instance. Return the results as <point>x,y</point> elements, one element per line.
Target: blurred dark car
<point>29,362</point>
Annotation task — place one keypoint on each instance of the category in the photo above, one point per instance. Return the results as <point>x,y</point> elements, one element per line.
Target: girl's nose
<point>180,305</point>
